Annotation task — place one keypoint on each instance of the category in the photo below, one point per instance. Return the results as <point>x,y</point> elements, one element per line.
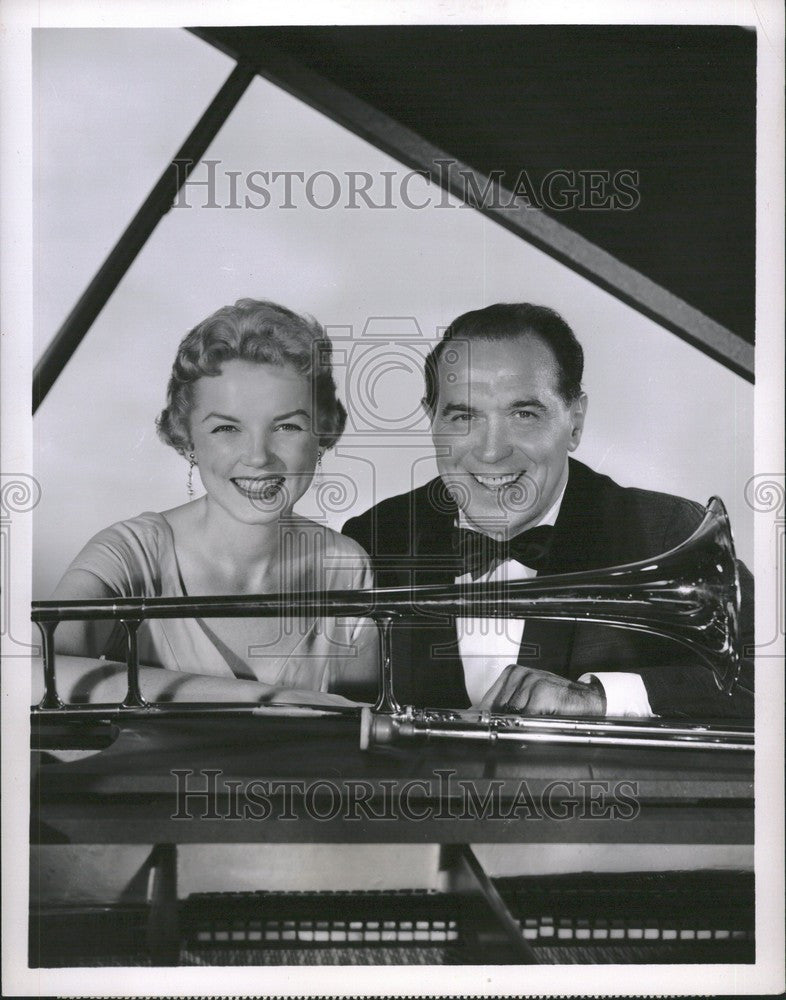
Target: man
<point>504,397</point>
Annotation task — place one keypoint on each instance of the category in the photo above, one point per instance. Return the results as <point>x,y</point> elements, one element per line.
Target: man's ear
<point>427,409</point>
<point>578,411</point>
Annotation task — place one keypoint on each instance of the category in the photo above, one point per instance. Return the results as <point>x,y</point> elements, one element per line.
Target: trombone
<point>690,594</point>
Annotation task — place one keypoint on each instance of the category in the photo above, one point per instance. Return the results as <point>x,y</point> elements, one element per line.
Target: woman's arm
<point>119,561</point>
<point>82,638</point>
<point>84,680</point>
<point>356,676</point>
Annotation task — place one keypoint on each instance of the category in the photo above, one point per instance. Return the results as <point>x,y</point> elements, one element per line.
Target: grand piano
<point>168,775</point>
<point>160,781</point>
<point>179,781</point>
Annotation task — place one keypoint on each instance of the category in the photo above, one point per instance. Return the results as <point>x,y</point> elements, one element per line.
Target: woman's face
<point>251,428</point>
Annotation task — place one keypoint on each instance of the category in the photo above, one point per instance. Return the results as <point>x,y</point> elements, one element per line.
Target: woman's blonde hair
<point>263,333</point>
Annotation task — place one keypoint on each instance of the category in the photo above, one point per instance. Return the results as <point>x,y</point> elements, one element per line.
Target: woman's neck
<point>244,554</point>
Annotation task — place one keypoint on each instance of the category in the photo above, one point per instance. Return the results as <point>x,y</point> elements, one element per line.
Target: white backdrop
<point>112,106</point>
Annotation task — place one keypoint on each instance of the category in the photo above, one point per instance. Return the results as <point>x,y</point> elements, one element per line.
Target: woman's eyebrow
<point>220,416</point>
<point>236,420</point>
<point>294,413</point>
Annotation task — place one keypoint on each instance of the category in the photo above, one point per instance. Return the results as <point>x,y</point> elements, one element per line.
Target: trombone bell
<point>690,594</point>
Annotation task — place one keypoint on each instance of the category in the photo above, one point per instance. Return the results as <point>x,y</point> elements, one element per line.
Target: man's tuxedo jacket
<point>600,524</point>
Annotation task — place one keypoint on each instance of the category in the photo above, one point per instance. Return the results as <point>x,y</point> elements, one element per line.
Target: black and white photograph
<point>393,445</point>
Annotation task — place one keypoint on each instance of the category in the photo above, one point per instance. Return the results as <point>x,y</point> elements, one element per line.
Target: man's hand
<point>528,691</point>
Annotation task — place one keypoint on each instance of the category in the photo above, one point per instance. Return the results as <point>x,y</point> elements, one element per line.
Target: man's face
<point>502,431</point>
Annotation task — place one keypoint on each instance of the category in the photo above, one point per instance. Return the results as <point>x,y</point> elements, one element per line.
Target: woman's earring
<point>190,480</point>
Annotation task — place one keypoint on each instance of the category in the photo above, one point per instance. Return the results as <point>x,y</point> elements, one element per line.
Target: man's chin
<point>490,514</point>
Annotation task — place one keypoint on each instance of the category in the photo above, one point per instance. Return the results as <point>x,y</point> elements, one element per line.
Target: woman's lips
<point>258,488</point>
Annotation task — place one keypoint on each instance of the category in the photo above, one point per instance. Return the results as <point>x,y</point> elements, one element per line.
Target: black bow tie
<point>479,553</point>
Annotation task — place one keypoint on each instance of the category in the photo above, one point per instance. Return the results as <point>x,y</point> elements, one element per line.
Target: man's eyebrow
<point>457,408</point>
<point>521,404</point>
<point>517,404</point>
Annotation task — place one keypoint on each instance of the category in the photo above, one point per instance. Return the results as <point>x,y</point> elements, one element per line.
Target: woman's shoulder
<point>147,529</point>
<point>125,556</point>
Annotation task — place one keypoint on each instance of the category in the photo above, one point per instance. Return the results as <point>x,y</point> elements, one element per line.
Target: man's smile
<point>496,482</point>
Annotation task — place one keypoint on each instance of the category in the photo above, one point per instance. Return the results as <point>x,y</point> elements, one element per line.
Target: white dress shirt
<point>488,645</point>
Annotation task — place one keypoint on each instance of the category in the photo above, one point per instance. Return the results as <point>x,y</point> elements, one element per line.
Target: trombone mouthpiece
<point>376,730</point>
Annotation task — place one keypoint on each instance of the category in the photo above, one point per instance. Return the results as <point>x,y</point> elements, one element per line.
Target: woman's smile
<point>259,487</point>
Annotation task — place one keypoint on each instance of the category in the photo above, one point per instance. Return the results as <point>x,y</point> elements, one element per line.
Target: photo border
<point>16,310</point>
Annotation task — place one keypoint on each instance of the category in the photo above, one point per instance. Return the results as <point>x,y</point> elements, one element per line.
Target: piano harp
<point>449,777</point>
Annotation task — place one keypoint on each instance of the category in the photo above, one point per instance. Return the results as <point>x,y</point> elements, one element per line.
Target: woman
<point>252,404</point>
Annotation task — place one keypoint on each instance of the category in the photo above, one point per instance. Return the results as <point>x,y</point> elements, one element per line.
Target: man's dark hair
<point>507,321</point>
